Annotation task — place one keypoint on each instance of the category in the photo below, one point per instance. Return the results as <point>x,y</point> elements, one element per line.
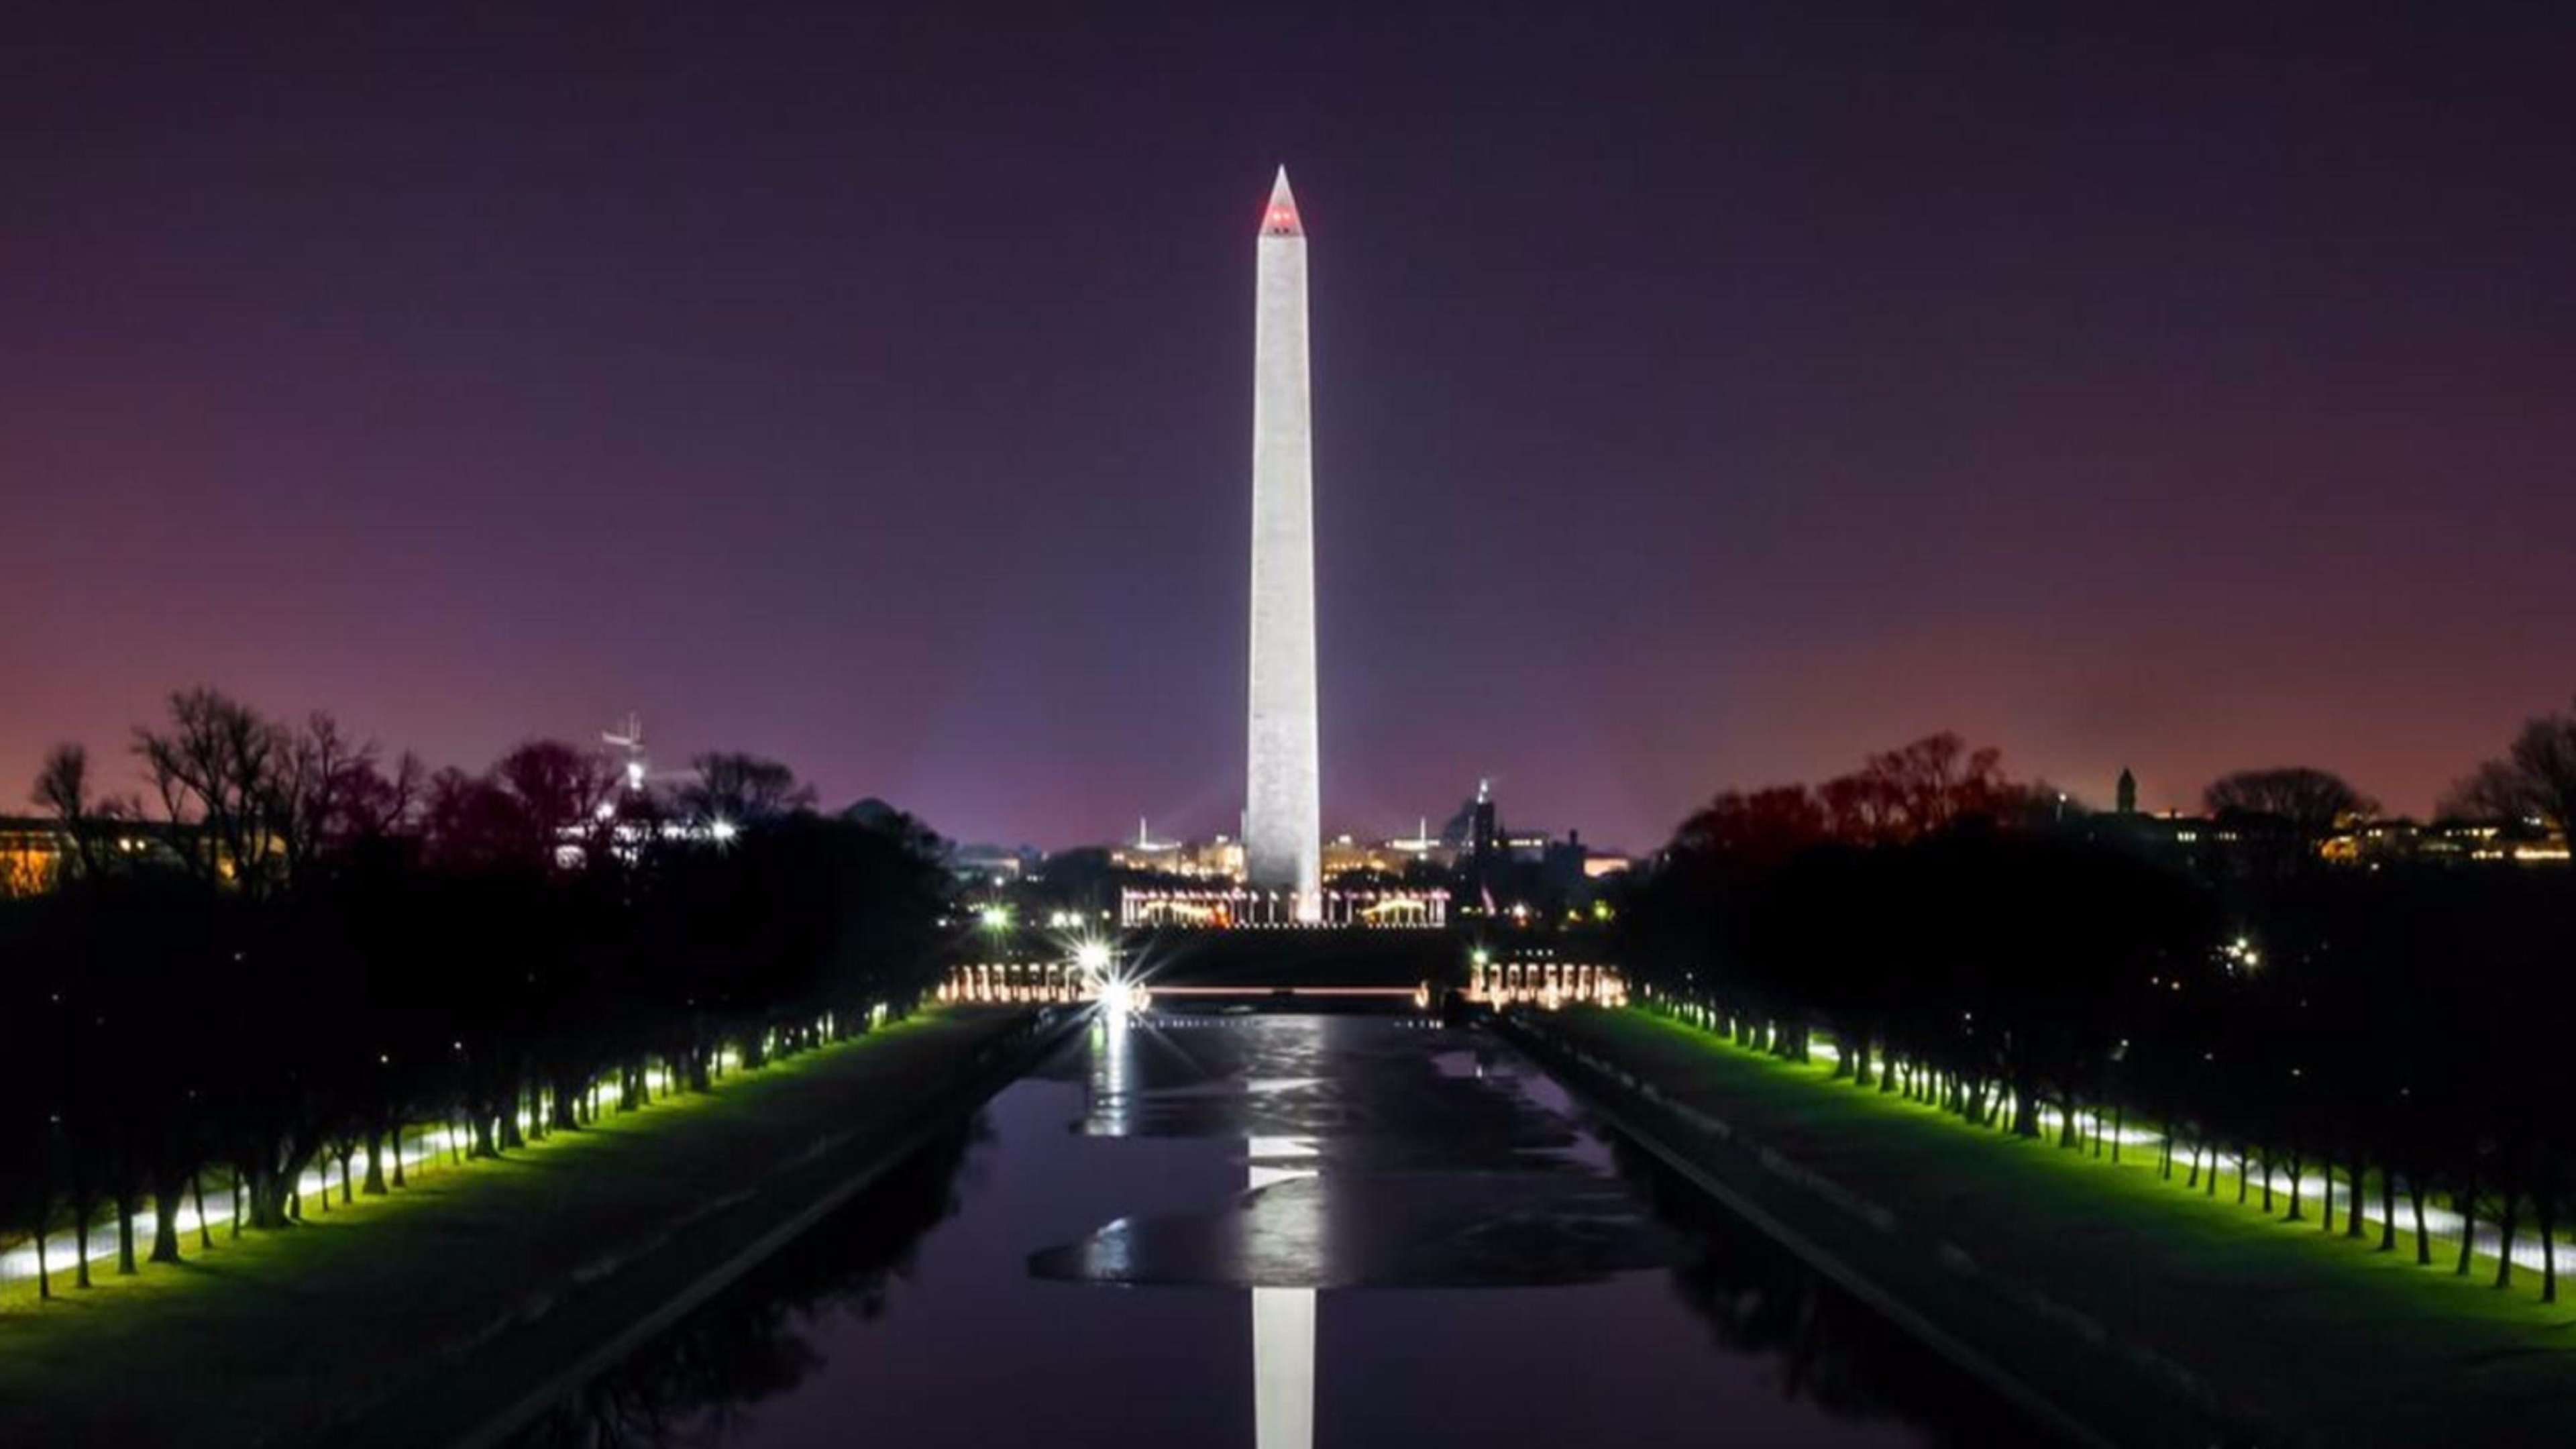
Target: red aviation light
<point>1280,218</point>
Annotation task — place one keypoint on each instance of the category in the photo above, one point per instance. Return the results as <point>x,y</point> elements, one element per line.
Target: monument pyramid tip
<point>1280,218</point>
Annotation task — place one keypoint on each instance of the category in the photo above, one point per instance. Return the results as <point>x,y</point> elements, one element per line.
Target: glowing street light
<point>996,917</point>
<point>1092,956</point>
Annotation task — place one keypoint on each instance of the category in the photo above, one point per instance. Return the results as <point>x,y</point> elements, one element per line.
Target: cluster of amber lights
<point>1019,982</point>
<point>1548,984</point>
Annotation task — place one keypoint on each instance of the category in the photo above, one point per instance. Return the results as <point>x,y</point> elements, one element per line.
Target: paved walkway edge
<point>538,1364</point>
<point>2094,1391</point>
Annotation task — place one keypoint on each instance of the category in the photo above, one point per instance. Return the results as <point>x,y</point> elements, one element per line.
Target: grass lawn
<point>2307,1328</point>
<point>261,1338</point>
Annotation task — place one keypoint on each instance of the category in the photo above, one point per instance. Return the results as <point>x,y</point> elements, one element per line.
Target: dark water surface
<point>1275,1231</point>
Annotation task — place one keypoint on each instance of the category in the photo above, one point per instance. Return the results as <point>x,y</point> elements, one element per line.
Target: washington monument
<point>1283,805</point>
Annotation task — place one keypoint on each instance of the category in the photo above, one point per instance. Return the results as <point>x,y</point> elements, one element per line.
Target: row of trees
<point>298,950</point>
<point>2391,1031</point>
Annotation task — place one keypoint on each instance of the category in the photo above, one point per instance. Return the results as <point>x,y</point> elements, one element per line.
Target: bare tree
<point>1762,827</point>
<point>563,797</point>
<point>375,805</point>
<point>2536,779</point>
<point>1937,780</point>
<point>742,789</point>
<point>62,782</point>
<point>2308,801</point>
<point>1917,789</point>
<point>318,770</point>
<point>215,770</point>
<point>63,791</point>
<point>257,802</point>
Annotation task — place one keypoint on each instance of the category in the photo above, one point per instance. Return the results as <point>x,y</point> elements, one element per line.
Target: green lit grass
<point>269,1332</point>
<point>2313,1328</point>
<point>425,1181</point>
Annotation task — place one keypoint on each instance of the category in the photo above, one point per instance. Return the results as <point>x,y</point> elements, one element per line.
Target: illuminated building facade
<point>31,856</point>
<point>36,851</point>
<point>1538,976</point>
<point>1243,908</point>
<point>1219,859</point>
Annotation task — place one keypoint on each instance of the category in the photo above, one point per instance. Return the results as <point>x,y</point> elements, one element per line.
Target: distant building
<point>1421,848</point>
<point>1601,864</point>
<point>1236,908</point>
<point>997,864</point>
<point>2371,843</point>
<point>2216,847</point>
<point>36,851</point>
<point>31,855</point>
<point>1484,831</point>
<point>1216,859</point>
<point>1346,855</point>
<point>1473,867</point>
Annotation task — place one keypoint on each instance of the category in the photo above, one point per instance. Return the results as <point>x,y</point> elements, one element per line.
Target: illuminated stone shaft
<point>1283,806</point>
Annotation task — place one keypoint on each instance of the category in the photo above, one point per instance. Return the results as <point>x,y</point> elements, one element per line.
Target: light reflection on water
<point>1283,1231</point>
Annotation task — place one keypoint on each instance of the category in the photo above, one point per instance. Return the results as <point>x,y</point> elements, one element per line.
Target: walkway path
<point>426,1152</point>
<point>2295,1326</point>
<point>276,1338</point>
<point>2441,1224</point>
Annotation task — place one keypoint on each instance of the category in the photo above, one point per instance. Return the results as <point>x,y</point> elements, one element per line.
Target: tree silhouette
<point>333,952</point>
<point>741,789</point>
<point>2340,1042</point>
<point>2307,801</point>
<point>2536,778</point>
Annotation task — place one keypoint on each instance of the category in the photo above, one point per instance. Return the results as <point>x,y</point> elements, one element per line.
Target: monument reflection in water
<point>1213,1228</point>
<point>1283,1318</point>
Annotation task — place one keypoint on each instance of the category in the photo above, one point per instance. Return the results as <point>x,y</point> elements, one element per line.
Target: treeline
<point>2386,1036</point>
<point>299,950</point>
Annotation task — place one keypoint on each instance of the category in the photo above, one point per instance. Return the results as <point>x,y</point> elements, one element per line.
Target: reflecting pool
<point>1276,1231</point>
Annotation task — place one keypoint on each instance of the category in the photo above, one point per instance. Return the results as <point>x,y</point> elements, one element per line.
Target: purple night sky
<point>1698,402</point>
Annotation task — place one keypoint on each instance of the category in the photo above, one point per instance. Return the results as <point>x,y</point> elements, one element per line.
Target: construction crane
<point>628,738</point>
